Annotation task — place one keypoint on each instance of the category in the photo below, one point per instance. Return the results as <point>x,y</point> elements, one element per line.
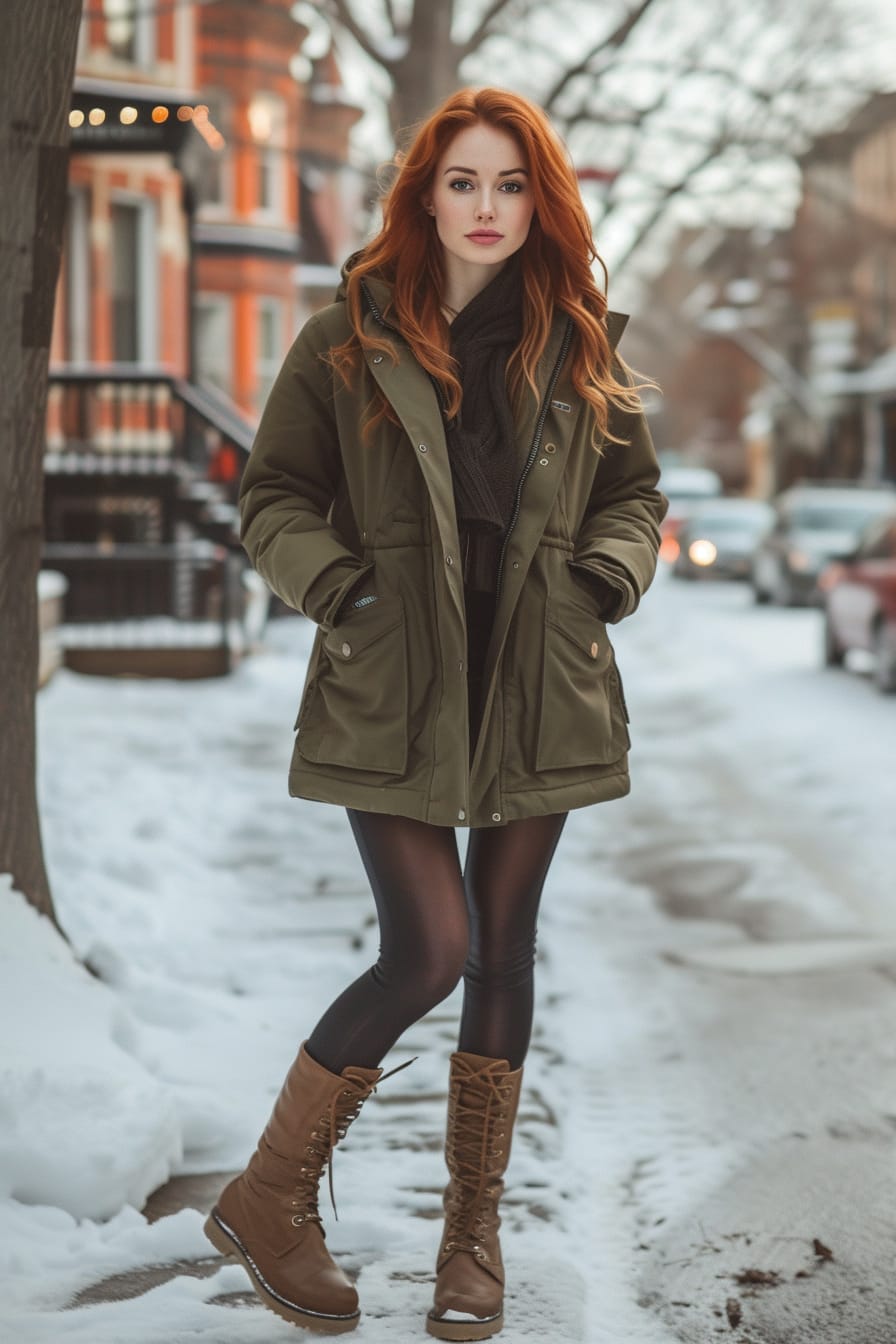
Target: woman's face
<point>481,197</point>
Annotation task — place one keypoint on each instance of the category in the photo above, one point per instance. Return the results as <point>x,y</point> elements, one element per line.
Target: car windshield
<point>831,517</point>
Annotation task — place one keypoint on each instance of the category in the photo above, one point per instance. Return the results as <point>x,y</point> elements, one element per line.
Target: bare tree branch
<point>613,40</point>
<point>675,189</point>
<point>483,28</point>
<point>341,12</point>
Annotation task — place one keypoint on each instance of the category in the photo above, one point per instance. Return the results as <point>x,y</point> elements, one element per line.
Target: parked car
<point>721,537</point>
<point>814,523</point>
<point>860,602</point>
<point>686,488</point>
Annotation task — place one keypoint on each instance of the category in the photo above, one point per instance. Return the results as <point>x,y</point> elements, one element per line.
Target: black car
<point>720,538</point>
<point>813,525</point>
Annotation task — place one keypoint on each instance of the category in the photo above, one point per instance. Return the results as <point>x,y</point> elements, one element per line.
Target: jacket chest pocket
<point>583,719</point>
<point>355,713</point>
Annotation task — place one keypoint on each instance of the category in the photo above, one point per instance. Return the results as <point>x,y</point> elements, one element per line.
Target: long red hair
<point>556,261</point>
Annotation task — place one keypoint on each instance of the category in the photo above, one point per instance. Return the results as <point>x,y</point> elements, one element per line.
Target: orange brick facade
<point>186,254</point>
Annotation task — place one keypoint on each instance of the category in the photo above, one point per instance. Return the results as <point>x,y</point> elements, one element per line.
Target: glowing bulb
<point>159,114</point>
<point>185,113</point>
<point>76,118</point>
<point>96,116</point>
<point>127,116</point>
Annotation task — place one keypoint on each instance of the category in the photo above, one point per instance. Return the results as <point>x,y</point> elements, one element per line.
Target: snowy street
<point>707,1131</point>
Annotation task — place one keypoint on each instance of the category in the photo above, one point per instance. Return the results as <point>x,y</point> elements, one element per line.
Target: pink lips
<point>485,236</point>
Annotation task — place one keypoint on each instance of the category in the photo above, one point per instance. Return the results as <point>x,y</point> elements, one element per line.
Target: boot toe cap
<point>464,1286</point>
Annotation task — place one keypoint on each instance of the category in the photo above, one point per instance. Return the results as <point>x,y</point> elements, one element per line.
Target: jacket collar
<point>381,293</point>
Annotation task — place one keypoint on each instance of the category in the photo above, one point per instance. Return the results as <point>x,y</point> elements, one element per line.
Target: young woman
<point>454,480</point>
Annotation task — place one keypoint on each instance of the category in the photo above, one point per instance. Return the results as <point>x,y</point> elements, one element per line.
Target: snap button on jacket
<point>383,714</point>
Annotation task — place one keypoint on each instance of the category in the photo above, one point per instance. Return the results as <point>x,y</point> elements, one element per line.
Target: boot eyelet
<point>297,1219</point>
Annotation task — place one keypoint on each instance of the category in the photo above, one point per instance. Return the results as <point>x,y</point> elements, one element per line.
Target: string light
<point>199,115</point>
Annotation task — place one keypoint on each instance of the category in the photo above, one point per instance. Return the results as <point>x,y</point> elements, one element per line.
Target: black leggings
<point>438,924</point>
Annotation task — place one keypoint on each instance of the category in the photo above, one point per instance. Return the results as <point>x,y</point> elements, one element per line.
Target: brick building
<point>179,293</point>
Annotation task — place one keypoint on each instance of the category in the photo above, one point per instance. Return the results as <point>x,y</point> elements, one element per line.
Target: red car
<point>860,602</point>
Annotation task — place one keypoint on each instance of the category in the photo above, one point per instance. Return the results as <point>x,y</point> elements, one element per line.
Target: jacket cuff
<point>615,595</point>
<point>325,596</point>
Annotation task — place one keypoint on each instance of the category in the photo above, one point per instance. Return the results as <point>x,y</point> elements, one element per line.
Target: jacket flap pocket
<point>362,626</point>
<point>583,627</point>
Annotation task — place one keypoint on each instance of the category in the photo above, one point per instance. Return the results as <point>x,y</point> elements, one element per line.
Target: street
<point>706,1137</point>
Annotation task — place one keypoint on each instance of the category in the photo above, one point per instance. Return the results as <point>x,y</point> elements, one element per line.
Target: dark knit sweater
<point>481,439</point>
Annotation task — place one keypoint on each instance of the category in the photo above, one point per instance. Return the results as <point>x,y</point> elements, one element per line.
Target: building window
<point>130,32</point>
<point>213,179</point>
<point>214,341</point>
<point>133,287</point>
<point>267,124</point>
<point>125,287</point>
<point>270,352</point>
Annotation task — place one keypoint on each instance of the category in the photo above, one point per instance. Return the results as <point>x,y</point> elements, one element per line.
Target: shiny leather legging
<point>438,924</point>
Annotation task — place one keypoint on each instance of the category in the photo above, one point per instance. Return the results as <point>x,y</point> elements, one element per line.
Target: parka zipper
<point>377,315</point>
<point>533,451</point>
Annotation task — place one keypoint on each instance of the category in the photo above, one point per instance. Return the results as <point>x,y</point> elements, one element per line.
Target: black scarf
<point>481,438</point>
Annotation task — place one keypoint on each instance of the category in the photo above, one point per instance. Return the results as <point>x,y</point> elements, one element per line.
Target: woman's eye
<point>512,187</point>
<point>460,182</point>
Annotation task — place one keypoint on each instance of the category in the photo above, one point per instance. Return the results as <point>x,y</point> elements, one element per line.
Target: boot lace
<point>333,1125</point>
<point>476,1157</point>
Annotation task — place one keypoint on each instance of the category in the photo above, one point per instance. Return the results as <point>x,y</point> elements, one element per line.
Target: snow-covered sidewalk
<point>710,1084</point>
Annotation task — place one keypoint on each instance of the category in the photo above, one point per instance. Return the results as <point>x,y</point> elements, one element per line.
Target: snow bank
<point>83,1126</point>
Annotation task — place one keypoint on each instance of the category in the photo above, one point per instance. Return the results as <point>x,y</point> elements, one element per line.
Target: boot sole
<point>227,1242</point>
<point>464,1330</point>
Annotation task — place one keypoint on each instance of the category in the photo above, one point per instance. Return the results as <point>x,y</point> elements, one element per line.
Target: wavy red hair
<point>556,261</point>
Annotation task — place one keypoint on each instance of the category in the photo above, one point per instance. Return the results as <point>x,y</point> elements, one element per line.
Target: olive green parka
<point>383,717</point>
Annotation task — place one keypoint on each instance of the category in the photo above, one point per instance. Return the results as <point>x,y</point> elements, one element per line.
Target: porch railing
<point>117,415</point>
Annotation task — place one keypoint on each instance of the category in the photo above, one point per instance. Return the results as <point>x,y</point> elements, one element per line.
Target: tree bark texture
<point>427,73</point>
<point>37,61</point>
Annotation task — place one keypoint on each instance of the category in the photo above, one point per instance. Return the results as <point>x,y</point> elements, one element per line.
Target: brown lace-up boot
<point>267,1217</point>
<point>483,1098</point>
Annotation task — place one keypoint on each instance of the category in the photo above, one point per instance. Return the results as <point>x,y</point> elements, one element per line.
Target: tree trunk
<point>36,66</point>
<point>427,73</point>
